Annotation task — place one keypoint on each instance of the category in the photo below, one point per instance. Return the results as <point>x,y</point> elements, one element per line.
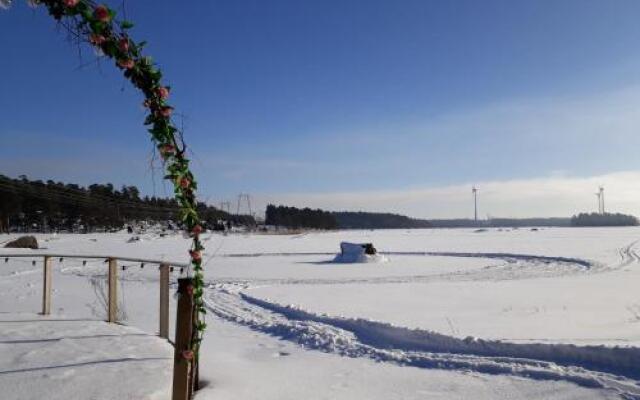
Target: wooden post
<point>184,329</point>
<point>164,300</point>
<point>194,374</point>
<point>46,287</point>
<point>113,291</point>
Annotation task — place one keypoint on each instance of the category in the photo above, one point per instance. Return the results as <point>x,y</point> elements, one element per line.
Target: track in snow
<point>615,369</point>
<point>502,256</point>
<point>512,266</point>
<point>628,255</point>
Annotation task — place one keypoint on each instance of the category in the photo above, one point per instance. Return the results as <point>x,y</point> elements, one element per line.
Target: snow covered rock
<point>23,242</point>
<point>358,253</point>
<point>134,239</point>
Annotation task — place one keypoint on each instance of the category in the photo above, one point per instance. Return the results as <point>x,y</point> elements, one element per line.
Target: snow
<point>353,253</point>
<point>452,314</point>
<point>44,358</point>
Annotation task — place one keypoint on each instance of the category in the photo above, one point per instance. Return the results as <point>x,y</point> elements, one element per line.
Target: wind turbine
<point>600,195</point>
<point>474,190</point>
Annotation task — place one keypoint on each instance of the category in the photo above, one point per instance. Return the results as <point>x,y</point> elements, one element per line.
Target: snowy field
<point>552,313</point>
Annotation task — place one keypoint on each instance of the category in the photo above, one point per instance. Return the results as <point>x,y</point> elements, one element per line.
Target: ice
<point>452,314</point>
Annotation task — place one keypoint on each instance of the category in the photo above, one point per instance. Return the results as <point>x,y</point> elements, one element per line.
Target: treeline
<point>501,223</point>
<point>368,220</point>
<point>607,219</point>
<point>457,223</point>
<point>529,222</point>
<point>292,217</point>
<point>36,205</point>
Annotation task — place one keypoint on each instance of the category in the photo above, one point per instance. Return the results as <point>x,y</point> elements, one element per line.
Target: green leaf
<point>96,26</point>
<point>110,48</point>
<point>126,25</point>
<point>86,13</point>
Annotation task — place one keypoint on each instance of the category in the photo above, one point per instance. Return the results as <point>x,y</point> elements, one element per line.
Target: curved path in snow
<point>611,368</point>
<point>628,255</point>
<point>615,369</point>
<point>512,266</point>
<point>501,256</point>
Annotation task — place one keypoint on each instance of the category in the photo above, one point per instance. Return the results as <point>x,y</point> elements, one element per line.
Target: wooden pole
<point>164,301</point>
<point>183,345</point>
<point>113,291</point>
<point>46,288</point>
<point>194,374</point>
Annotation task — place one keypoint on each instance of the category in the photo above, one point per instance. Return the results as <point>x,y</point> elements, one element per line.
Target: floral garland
<point>96,24</point>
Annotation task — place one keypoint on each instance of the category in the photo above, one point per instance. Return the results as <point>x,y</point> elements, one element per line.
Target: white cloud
<point>556,195</point>
<point>597,131</point>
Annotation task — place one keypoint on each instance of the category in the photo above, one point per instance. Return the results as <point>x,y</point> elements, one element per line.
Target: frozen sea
<point>552,313</point>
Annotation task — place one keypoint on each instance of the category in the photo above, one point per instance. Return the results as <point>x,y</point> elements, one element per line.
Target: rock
<point>24,242</point>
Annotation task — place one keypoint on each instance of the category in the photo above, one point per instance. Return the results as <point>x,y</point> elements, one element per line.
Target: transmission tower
<point>247,198</point>
<point>225,205</point>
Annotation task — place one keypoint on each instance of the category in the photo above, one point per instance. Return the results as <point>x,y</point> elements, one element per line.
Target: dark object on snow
<point>129,229</point>
<point>24,242</point>
<point>369,249</point>
<point>357,248</point>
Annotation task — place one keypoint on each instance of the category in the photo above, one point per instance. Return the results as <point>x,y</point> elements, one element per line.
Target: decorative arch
<point>98,25</point>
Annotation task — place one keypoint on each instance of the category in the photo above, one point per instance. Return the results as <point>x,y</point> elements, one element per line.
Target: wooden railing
<point>183,371</point>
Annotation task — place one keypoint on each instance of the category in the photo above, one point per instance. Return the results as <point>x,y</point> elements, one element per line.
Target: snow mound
<point>360,258</point>
<point>134,239</point>
<point>358,253</point>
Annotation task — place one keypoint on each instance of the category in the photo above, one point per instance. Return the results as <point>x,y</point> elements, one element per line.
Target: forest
<point>295,218</point>
<point>369,220</point>
<point>34,205</point>
<point>292,217</point>
<point>606,219</point>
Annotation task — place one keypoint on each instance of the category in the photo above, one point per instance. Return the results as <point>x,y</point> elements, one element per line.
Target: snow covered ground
<point>454,314</point>
<point>44,358</point>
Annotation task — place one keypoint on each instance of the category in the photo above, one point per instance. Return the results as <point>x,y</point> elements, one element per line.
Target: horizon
<point>361,105</point>
<point>263,203</point>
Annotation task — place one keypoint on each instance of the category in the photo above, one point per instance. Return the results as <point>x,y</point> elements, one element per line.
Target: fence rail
<point>93,257</point>
<point>183,381</point>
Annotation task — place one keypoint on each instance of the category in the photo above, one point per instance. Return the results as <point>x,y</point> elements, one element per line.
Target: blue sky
<point>334,100</point>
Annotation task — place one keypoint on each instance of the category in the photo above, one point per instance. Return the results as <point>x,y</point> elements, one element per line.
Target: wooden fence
<point>183,368</point>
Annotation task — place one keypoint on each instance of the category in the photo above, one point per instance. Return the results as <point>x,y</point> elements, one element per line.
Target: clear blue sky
<point>334,95</point>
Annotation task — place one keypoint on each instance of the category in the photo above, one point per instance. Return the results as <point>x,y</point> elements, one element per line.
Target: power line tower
<point>474,190</point>
<point>225,205</point>
<point>247,198</point>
